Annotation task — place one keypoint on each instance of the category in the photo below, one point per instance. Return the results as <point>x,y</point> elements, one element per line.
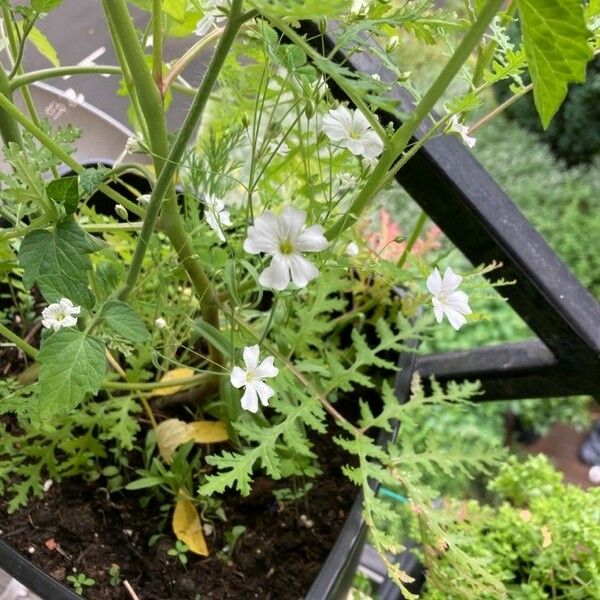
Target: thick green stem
<point>9,128</point>
<point>157,42</point>
<point>401,138</point>
<point>18,342</point>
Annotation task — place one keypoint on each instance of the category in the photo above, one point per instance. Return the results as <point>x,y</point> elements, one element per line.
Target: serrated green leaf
<point>65,191</point>
<point>555,43</point>
<point>91,178</point>
<point>43,46</point>
<point>72,366</point>
<point>122,319</point>
<point>57,261</point>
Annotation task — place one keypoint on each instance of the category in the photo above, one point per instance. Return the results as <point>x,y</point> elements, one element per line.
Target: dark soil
<point>278,556</point>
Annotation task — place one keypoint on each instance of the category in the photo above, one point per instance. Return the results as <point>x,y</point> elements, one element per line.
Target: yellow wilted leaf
<point>174,375</point>
<point>187,528</point>
<point>169,435</point>
<point>208,432</point>
<point>547,537</point>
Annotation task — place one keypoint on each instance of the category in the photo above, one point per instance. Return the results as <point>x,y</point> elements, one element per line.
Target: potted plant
<point>198,381</point>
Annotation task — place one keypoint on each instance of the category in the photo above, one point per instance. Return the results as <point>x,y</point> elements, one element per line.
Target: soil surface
<point>77,525</point>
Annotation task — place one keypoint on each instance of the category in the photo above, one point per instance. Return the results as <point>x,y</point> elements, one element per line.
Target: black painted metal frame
<point>478,217</point>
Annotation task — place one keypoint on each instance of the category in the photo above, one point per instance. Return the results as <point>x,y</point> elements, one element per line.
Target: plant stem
<point>157,43</point>
<point>157,385</point>
<point>18,342</point>
<point>27,78</point>
<point>500,108</point>
<point>414,236</point>
<point>9,128</point>
<point>401,138</point>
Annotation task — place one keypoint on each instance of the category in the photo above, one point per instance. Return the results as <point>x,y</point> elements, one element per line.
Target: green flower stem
<point>186,382</point>
<point>32,76</point>
<point>18,342</point>
<point>12,112</point>
<point>402,137</point>
<point>108,227</point>
<point>157,43</point>
<point>414,236</point>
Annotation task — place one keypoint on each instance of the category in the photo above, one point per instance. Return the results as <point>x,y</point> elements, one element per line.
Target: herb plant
<point>241,286</point>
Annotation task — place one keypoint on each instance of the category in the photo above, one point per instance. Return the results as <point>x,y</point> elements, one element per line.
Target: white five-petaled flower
<point>216,214</point>
<point>351,130</point>
<point>252,379</point>
<point>463,131</point>
<point>447,299</point>
<point>285,237</point>
<point>60,314</point>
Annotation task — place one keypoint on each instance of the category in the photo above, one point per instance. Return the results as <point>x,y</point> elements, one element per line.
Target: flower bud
<point>160,323</point>
<point>121,212</point>
<point>392,44</point>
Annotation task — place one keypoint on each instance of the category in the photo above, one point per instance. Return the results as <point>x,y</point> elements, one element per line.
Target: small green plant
<point>114,574</point>
<point>80,581</point>
<point>232,537</point>
<point>180,550</point>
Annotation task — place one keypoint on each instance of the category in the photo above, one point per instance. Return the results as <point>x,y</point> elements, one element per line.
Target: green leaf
<point>57,261</point>
<point>72,365</point>
<point>213,336</point>
<point>64,190</point>
<point>175,9</point>
<point>122,319</point>
<point>555,43</point>
<point>44,6</point>
<point>43,46</point>
<point>91,178</point>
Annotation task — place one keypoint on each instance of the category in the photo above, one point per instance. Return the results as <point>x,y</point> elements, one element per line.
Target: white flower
<point>252,379</point>
<point>462,130</point>
<point>346,181</point>
<point>144,199</point>
<point>285,237</point>
<point>351,130</point>
<point>60,314</point>
<point>160,323</point>
<point>351,249</point>
<point>446,299</point>
<point>216,214</point>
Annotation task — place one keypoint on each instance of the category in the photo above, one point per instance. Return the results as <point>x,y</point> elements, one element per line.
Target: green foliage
<point>65,191</point>
<point>57,261</point>
<point>301,9</point>
<point>80,582</point>
<point>180,550</point>
<point>550,549</point>
<point>74,444</point>
<point>72,366</point>
<point>124,321</point>
<point>555,40</point>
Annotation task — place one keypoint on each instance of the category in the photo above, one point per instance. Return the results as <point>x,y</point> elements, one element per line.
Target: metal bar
<point>473,211</point>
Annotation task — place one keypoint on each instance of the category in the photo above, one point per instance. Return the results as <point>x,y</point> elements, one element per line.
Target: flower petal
<point>264,391</point>
<point>264,235</point>
<point>249,400</point>
<point>337,123</point>
<point>373,146</point>
<point>277,275</point>
<point>451,280</point>
<point>291,222</point>
<point>238,377</point>
<point>311,240</point>
<point>266,368</point>
<point>356,146</point>
<point>302,270</point>
<point>434,282</point>
<point>457,320</point>
<point>438,310</point>
<point>251,355</point>
<point>459,301</point>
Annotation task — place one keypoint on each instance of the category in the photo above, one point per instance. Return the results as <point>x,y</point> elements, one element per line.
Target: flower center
<point>354,135</point>
<point>286,247</point>
<point>250,376</point>
<point>61,315</point>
